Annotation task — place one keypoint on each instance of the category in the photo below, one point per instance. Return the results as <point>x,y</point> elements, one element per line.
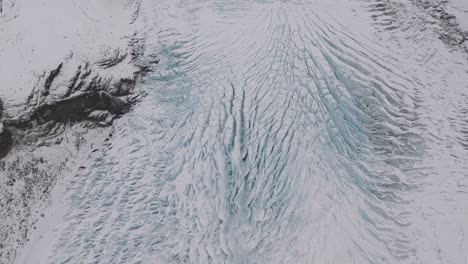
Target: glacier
<point>302,131</point>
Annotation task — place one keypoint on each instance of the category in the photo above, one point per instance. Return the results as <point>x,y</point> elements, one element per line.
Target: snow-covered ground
<point>36,36</point>
<point>459,8</point>
<point>274,132</point>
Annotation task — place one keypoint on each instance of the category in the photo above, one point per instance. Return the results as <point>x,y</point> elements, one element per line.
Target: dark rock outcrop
<point>72,109</point>
<point>392,15</point>
<point>75,91</point>
<point>1,109</point>
<point>6,141</point>
<point>48,82</point>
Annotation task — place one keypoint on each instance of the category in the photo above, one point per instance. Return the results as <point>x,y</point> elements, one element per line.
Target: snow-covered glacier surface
<point>278,132</point>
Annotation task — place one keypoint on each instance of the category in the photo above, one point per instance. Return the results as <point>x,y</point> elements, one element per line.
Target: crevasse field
<point>278,132</point>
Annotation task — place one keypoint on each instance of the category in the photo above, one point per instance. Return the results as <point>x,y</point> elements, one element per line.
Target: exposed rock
<point>390,15</point>
<point>116,105</point>
<point>112,58</point>
<point>103,117</point>
<point>450,31</point>
<point>6,141</point>
<point>72,109</point>
<point>73,89</point>
<point>50,79</point>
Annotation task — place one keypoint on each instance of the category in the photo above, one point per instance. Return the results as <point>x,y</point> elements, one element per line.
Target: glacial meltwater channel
<point>273,133</point>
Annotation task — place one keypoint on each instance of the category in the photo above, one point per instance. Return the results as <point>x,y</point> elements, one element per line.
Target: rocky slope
<point>447,18</point>
<point>68,69</point>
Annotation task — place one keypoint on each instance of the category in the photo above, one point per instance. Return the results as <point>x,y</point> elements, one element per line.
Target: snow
<point>43,33</point>
<point>41,240</point>
<point>418,82</point>
<point>459,8</point>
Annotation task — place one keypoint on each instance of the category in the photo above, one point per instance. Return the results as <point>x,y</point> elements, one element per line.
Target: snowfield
<point>167,131</point>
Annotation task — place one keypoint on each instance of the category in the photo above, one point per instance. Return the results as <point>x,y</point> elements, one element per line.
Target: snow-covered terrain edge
<point>448,19</point>
<point>68,68</point>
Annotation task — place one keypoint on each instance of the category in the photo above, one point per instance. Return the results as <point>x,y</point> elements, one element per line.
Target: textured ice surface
<point>279,132</point>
